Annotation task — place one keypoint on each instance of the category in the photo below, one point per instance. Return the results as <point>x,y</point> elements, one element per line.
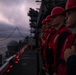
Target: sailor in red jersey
<point>51,31</point>
<point>68,53</point>
<point>43,37</point>
<point>57,41</point>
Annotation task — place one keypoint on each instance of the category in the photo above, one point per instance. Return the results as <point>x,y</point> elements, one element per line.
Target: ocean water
<point>3,45</point>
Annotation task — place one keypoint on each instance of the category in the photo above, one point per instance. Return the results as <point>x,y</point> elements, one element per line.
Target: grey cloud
<point>11,9</point>
<point>6,30</point>
<point>12,2</point>
<point>16,1</point>
<point>14,13</point>
<point>5,26</point>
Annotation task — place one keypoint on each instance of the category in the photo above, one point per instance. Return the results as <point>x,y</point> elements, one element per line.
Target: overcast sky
<point>13,13</point>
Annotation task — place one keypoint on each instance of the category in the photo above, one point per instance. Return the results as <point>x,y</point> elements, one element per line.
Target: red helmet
<point>57,11</point>
<point>43,21</point>
<point>70,4</point>
<point>48,18</point>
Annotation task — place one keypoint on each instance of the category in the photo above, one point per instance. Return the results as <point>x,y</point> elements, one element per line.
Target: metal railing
<point>5,66</point>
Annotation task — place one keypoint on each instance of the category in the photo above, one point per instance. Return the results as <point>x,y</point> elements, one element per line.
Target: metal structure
<point>46,7</point>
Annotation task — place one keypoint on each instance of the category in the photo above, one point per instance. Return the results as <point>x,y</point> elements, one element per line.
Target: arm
<point>71,65</point>
<point>61,41</point>
<point>70,58</point>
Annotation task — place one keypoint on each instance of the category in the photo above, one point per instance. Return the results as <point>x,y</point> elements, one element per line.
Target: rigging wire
<point>9,35</point>
<point>12,33</point>
<point>20,33</point>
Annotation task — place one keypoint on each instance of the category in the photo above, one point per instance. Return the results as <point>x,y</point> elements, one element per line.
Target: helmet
<point>57,11</point>
<point>48,18</point>
<point>70,4</point>
<point>43,21</point>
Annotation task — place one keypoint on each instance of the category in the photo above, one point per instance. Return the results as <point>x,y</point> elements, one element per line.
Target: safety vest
<point>54,43</point>
<point>68,43</point>
<point>48,37</point>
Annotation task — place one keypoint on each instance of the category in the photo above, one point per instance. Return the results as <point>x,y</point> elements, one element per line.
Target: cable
<point>20,33</point>
<point>9,35</point>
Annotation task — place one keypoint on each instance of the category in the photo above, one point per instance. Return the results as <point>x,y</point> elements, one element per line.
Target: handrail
<point>6,64</point>
<point>10,58</point>
<point>4,67</point>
